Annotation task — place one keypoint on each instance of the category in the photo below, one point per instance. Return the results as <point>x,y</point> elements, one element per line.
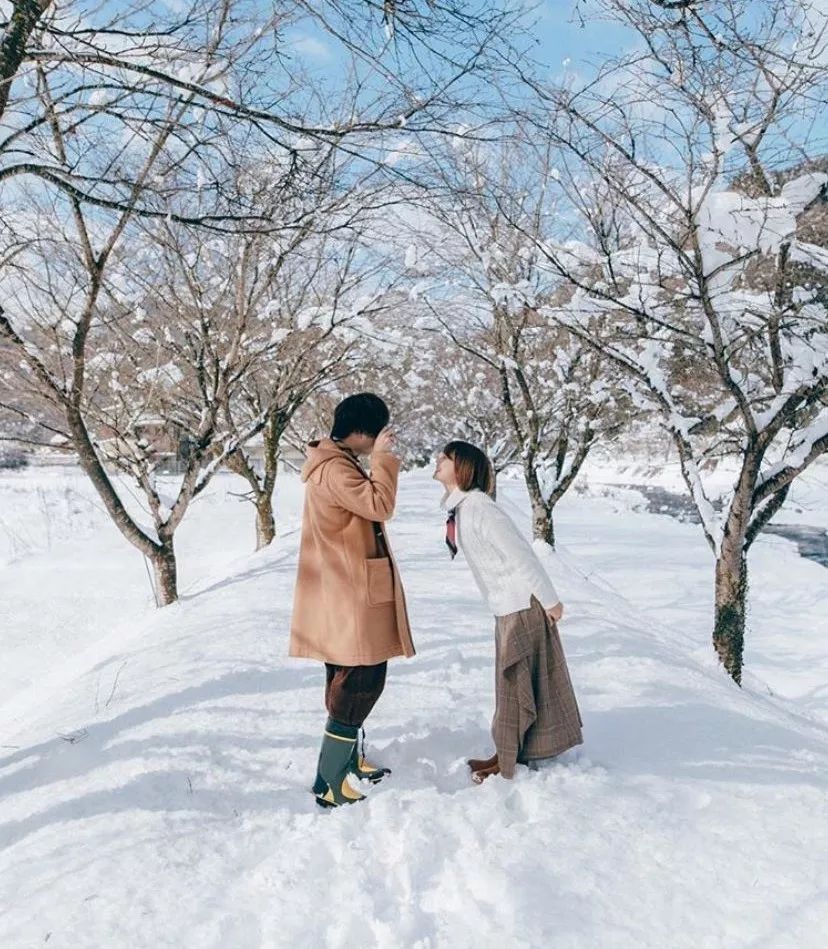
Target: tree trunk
<point>543,526</point>
<point>731,570</point>
<point>166,574</point>
<point>731,597</point>
<point>265,522</point>
<point>161,555</point>
<point>20,26</point>
<point>261,488</point>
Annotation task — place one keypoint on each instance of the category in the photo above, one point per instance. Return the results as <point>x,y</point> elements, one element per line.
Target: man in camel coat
<point>349,607</point>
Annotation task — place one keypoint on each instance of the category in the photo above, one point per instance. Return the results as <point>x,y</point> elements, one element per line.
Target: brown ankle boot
<point>479,764</point>
<point>479,775</point>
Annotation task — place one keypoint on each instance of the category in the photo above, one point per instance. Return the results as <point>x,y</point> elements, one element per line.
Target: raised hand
<point>386,441</point>
<point>555,612</point>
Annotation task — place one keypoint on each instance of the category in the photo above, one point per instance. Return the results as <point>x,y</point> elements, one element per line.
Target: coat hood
<point>318,454</point>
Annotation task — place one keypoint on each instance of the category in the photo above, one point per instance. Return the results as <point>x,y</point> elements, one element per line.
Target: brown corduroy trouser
<point>351,692</point>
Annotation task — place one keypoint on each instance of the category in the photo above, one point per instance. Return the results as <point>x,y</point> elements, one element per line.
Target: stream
<point>812,542</point>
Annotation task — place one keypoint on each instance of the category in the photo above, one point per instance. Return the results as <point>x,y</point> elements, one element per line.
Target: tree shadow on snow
<point>169,791</point>
<point>59,760</point>
<point>267,567</point>
<point>704,742</point>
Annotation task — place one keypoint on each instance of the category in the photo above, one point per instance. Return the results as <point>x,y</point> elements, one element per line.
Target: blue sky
<point>568,36</point>
<point>568,30</point>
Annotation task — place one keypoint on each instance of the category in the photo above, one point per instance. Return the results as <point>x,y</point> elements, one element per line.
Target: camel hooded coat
<point>349,606</point>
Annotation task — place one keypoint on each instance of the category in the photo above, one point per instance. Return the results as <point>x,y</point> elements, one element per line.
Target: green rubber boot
<point>362,768</point>
<point>331,785</point>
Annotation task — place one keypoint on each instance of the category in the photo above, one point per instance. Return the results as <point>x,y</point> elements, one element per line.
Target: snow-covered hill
<point>155,764</point>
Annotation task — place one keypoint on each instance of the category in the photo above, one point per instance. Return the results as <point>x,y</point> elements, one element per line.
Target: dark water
<point>812,542</point>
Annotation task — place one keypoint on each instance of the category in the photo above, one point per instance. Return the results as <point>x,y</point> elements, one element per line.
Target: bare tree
<point>311,305</point>
<point>156,113</point>
<point>140,355</point>
<point>491,292</point>
<point>687,167</point>
<point>446,394</point>
<point>224,67</point>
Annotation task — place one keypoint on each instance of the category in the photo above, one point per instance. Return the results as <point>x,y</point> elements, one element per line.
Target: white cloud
<point>311,47</point>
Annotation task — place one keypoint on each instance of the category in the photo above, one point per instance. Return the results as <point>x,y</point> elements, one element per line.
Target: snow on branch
<point>812,441</point>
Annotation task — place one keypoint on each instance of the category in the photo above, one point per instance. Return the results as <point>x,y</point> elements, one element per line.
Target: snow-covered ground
<point>155,765</point>
<point>669,575</point>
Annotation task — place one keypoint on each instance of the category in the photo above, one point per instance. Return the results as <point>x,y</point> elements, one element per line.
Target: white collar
<point>451,499</point>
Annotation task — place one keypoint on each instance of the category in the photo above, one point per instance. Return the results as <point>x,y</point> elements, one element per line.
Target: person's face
<point>444,471</point>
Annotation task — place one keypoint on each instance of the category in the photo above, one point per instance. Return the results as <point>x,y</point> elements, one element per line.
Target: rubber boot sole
<point>327,797</point>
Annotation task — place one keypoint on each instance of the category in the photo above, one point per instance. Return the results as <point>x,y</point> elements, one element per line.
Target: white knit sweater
<point>502,561</point>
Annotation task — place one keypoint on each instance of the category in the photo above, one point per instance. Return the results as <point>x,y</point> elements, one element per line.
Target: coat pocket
<point>380,581</point>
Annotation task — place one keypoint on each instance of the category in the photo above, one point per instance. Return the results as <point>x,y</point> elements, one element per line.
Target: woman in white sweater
<point>536,714</point>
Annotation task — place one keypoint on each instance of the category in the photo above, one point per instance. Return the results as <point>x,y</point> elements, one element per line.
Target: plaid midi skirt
<point>536,713</point>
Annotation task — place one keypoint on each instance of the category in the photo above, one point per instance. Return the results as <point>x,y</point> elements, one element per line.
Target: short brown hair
<point>472,468</point>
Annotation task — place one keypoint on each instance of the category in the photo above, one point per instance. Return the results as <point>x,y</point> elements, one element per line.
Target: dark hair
<point>365,413</point>
<point>472,468</point>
